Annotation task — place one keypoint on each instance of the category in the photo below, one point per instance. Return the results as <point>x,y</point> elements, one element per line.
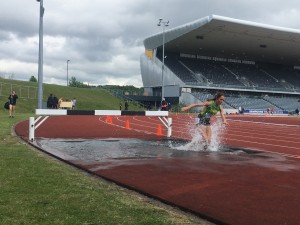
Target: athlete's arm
<point>223,116</point>
<point>195,105</point>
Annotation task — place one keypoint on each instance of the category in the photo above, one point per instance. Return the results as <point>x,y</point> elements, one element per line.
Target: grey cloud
<point>104,39</point>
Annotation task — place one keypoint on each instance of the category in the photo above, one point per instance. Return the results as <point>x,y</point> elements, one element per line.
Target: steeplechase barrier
<point>43,115</point>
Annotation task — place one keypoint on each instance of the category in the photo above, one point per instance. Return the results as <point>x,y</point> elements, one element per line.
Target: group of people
<point>54,103</point>
<point>126,105</point>
<point>270,110</point>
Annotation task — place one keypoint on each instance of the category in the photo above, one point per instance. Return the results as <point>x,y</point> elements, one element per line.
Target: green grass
<point>87,98</point>
<point>36,189</point>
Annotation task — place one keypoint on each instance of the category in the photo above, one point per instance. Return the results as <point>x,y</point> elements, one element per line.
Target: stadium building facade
<point>256,65</point>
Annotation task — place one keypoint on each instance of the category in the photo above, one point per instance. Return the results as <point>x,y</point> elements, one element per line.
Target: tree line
<point>73,82</point>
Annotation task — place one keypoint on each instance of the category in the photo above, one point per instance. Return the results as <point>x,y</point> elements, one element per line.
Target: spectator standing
<point>240,109</point>
<point>55,102</point>
<point>169,106</point>
<point>149,107</point>
<point>164,105</point>
<point>50,102</point>
<point>126,105</point>
<point>120,105</point>
<point>60,101</point>
<point>12,103</point>
<point>74,103</point>
<point>272,111</point>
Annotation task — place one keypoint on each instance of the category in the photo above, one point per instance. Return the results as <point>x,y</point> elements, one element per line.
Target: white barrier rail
<point>34,124</point>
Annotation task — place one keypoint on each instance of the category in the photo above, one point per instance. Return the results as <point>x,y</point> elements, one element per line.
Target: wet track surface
<point>101,150</point>
<point>228,186</point>
<point>255,181</point>
<point>111,148</point>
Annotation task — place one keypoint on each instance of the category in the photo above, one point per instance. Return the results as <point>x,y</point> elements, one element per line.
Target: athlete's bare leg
<point>10,110</point>
<point>206,133</point>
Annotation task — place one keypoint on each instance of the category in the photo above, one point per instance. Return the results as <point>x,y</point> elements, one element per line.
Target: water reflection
<point>136,149</point>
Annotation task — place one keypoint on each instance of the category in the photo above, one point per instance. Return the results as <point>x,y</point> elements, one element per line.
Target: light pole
<point>164,24</point>
<point>68,72</point>
<point>40,67</point>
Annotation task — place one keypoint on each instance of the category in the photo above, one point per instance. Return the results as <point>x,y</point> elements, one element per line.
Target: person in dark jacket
<point>164,105</point>
<point>50,102</point>
<point>55,102</point>
<point>12,99</point>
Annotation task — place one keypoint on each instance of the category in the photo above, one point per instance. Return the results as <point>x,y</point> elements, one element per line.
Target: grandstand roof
<point>232,38</point>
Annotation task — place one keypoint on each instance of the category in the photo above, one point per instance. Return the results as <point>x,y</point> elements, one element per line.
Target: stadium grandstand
<point>256,65</point>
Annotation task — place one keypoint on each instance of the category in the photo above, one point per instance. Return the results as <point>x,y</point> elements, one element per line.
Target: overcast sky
<point>104,39</point>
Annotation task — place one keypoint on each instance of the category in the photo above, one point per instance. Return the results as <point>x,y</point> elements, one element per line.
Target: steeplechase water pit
<point>101,150</point>
<point>117,148</point>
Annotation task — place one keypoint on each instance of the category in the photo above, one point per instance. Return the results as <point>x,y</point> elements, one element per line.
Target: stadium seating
<point>286,75</point>
<point>213,72</point>
<point>285,103</point>
<point>219,73</point>
<point>253,74</point>
<point>253,103</point>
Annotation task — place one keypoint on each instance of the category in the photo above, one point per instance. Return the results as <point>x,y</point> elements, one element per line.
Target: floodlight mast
<point>40,66</point>
<point>164,24</point>
<point>68,72</point>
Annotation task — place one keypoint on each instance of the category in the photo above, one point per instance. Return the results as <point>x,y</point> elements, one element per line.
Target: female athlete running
<point>210,109</point>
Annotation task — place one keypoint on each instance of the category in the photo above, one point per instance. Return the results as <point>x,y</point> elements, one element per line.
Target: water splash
<point>198,143</point>
<point>216,130</point>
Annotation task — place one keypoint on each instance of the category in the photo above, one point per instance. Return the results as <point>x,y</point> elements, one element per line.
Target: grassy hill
<point>87,98</point>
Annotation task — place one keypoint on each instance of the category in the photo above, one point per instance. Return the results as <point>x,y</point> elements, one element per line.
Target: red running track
<point>262,187</point>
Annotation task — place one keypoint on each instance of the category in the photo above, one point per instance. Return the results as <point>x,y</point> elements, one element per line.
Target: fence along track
<point>22,91</point>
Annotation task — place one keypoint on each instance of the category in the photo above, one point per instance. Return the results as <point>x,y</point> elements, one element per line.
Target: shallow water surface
<point>91,150</point>
<point>100,149</point>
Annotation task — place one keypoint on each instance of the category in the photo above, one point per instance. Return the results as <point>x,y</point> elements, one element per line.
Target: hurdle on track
<point>45,113</point>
